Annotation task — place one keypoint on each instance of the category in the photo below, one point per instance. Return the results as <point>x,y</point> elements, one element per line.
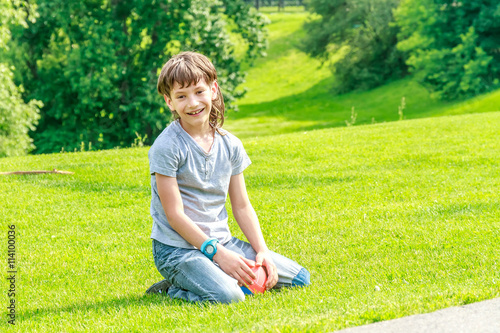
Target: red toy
<point>259,283</point>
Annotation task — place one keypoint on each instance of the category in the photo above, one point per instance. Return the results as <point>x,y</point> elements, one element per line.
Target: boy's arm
<point>230,262</point>
<point>249,223</point>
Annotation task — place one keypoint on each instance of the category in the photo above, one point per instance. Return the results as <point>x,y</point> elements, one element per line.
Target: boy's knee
<point>230,295</point>
<point>302,279</point>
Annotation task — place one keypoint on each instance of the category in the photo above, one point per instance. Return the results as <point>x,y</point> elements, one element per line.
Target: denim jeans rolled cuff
<point>196,278</point>
<point>303,279</point>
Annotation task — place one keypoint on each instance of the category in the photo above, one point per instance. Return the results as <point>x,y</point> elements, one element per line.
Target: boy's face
<point>193,103</point>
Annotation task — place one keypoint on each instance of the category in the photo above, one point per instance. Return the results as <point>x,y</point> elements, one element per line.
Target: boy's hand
<point>235,265</point>
<point>264,259</point>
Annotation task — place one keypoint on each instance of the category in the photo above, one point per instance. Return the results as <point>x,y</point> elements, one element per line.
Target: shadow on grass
<point>119,303</point>
<point>137,300</point>
<point>319,105</point>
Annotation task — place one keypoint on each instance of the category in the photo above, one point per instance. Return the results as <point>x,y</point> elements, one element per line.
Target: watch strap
<point>209,242</point>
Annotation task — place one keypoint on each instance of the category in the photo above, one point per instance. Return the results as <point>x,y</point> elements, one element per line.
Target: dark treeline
<point>281,4</point>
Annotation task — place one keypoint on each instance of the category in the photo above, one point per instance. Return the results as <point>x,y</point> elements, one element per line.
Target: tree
<point>16,116</point>
<point>452,46</point>
<point>94,63</point>
<point>361,34</point>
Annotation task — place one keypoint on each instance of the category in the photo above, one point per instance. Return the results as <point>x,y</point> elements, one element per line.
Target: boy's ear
<point>169,102</point>
<point>215,90</point>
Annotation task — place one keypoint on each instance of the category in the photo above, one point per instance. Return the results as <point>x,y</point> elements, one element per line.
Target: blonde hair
<point>190,67</point>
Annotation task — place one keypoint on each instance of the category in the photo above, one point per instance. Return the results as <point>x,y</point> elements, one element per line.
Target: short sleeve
<point>239,159</point>
<point>164,159</point>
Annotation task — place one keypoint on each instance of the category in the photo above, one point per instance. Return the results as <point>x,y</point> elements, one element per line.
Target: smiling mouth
<point>195,112</point>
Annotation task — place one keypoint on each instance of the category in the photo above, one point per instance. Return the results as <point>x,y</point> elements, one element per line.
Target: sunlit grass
<point>409,207</point>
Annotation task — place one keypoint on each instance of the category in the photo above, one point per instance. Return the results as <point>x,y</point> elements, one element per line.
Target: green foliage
<point>362,32</point>
<point>452,46</point>
<point>250,24</point>
<point>16,116</point>
<point>94,63</point>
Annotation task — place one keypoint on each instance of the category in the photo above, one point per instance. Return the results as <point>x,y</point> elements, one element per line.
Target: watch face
<point>210,249</point>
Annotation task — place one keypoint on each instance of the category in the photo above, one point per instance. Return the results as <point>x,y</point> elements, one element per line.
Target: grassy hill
<point>289,91</point>
<point>391,219</point>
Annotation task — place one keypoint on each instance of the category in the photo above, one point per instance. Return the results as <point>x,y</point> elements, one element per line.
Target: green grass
<point>289,91</point>
<point>411,207</point>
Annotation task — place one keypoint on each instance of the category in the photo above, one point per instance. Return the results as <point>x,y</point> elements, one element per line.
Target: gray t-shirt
<point>203,181</point>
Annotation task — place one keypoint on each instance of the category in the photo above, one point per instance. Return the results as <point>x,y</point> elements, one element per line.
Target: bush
<point>361,33</point>
<point>452,47</point>
<point>16,116</point>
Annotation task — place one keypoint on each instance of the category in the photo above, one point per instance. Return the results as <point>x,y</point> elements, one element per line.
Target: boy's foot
<point>159,287</point>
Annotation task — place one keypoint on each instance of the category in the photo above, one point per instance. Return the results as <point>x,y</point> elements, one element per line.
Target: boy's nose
<point>192,102</point>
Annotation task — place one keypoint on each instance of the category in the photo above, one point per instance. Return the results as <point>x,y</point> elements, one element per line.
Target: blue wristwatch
<point>209,247</point>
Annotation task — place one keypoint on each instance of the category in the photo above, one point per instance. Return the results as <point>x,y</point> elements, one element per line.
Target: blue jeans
<point>196,278</point>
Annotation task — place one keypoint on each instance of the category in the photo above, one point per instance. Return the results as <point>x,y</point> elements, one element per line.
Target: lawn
<point>391,219</point>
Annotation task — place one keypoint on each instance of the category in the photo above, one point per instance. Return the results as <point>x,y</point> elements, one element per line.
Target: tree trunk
<point>281,5</point>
